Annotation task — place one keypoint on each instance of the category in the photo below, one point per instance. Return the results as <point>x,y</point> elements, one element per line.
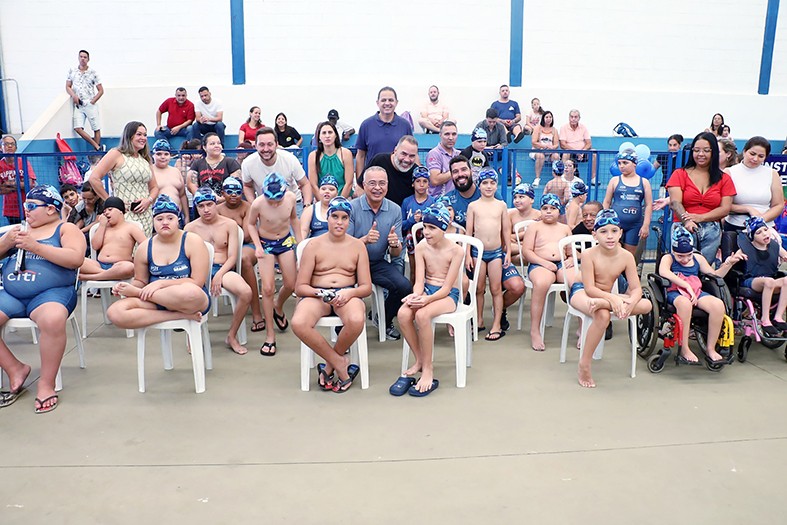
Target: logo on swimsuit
<point>27,276</point>
<point>630,211</point>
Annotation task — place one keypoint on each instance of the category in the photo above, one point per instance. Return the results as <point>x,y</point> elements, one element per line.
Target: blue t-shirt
<point>506,110</point>
<point>376,136</point>
<point>409,207</point>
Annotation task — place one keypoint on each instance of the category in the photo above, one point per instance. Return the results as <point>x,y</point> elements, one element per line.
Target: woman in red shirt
<point>248,130</point>
<point>701,194</point>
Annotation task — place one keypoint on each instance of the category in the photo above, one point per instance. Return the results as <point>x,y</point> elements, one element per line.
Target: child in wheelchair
<point>682,268</point>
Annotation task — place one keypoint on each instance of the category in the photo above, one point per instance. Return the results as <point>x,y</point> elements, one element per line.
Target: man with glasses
<point>440,181</point>
<point>8,180</point>
<point>377,222</point>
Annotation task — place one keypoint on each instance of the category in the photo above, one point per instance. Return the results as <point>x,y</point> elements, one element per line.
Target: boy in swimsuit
<point>222,233</point>
<point>169,178</point>
<point>114,240</point>
<point>579,193</point>
<point>438,262</point>
<point>523,210</point>
<point>601,266</point>
<point>558,185</point>
<point>487,220</point>
<point>540,247</point>
<point>271,220</point>
<point>333,279</point>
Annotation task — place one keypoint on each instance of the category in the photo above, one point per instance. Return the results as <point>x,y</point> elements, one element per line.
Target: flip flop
<point>327,380</point>
<point>281,321</point>
<point>342,386</point>
<point>683,361</point>
<point>269,353</point>
<point>353,370</point>
<point>401,386</point>
<point>40,409</point>
<point>417,393</point>
<point>258,326</point>
<point>9,398</point>
<point>491,336</point>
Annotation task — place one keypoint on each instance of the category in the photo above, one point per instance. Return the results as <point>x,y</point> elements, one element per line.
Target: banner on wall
<point>779,163</point>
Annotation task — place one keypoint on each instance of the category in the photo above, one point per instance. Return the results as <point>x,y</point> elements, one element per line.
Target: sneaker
<point>536,182</point>
<point>519,137</point>
<point>392,334</point>
<point>504,324</point>
<point>373,319</point>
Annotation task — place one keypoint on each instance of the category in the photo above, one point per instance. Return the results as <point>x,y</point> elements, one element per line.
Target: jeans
<point>198,129</point>
<point>167,134</point>
<point>709,236</point>
<point>389,277</point>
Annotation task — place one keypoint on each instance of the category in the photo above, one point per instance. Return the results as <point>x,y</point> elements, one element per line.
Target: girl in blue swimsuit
<point>170,275</point>
<point>631,197</point>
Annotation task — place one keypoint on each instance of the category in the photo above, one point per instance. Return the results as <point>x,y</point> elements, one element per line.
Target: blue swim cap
<point>161,145</point>
<point>578,187</point>
<point>754,224</point>
<point>231,183</point>
<point>552,200</point>
<point>205,193</point>
<point>437,215</point>
<point>165,205</point>
<point>525,189</point>
<point>682,240</point>
<point>329,180</point>
<point>420,172</point>
<point>339,204</point>
<point>558,167</point>
<point>606,218</point>
<point>274,187</point>
<point>487,173</point>
<point>627,154</point>
<point>445,200</point>
<point>478,134</point>
<point>46,194</point>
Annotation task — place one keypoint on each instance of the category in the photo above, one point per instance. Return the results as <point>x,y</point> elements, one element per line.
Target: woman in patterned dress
<point>131,175</point>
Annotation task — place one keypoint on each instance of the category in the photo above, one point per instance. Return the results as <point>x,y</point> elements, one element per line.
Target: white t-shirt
<point>210,110</point>
<point>286,165</point>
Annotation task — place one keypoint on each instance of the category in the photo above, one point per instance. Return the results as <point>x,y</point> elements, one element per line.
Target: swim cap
<point>114,202</point>
<point>161,145</point>
<point>231,183</point>
<point>274,187</point>
<point>445,200</point>
<point>478,134</point>
<point>437,215</point>
<point>487,173</point>
<point>420,172</point>
<point>46,194</point>
<point>165,205</point>
<point>558,167</point>
<point>205,193</point>
<point>552,200</point>
<point>627,154</point>
<point>525,189</point>
<point>754,224</point>
<point>339,204</point>
<point>606,218</point>
<point>329,180</point>
<point>682,240</point>
<point>578,187</point>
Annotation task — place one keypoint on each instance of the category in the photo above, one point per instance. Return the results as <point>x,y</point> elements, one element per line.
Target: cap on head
<point>333,114</point>
<point>205,193</point>
<point>437,215</point>
<point>339,204</point>
<point>754,224</point>
<point>329,180</point>
<point>682,240</point>
<point>627,154</point>
<point>550,199</point>
<point>161,145</point>
<point>164,204</point>
<point>46,194</point>
<point>525,189</point>
<point>274,187</point>
<point>420,172</point>
<point>231,183</point>
<point>487,173</point>
<point>578,188</point>
<point>478,134</point>
<point>606,218</point>
<point>558,167</point>
<point>445,200</point>
<point>114,202</point>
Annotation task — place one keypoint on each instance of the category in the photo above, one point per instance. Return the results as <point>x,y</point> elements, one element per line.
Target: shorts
<point>278,246</point>
<point>631,234</point>
<point>105,266</point>
<point>87,112</point>
<point>431,289</point>
<point>16,308</point>
<point>204,312</point>
<point>216,267</point>
<point>536,265</point>
<point>574,289</point>
<point>249,245</point>
<point>332,312</point>
<point>488,255</point>
<point>671,296</point>
<point>748,282</point>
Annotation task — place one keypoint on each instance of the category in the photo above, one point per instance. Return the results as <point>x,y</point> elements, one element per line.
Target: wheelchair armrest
<point>719,281</point>
<point>779,275</point>
<point>657,281</point>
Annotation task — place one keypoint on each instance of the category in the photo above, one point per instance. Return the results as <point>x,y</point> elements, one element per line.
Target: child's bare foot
<point>689,356</point>
<point>450,330</point>
<point>235,345</point>
<point>714,356</point>
<point>413,369</point>
<point>536,342</point>
<point>425,382</point>
<point>127,290</point>
<point>585,379</point>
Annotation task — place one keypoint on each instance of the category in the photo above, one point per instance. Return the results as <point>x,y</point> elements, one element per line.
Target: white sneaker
<point>536,182</point>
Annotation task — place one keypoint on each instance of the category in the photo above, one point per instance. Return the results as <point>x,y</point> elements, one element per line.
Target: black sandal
<point>281,321</point>
<point>269,353</point>
<point>327,380</point>
<point>258,326</point>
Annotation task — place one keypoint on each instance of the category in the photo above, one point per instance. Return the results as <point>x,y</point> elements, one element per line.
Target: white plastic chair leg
<point>633,324</point>
<point>34,334</point>
<point>305,366</point>
<point>197,356</point>
<point>206,346</point>
<point>461,350</point>
<point>78,339</point>
<point>564,338</point>
<point>83,308</point>
<point>105,305</point>
<point>166,349</point>
<point>141,358</point>
<point>59,381</point>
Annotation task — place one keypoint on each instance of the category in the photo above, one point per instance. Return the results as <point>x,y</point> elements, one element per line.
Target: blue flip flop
<point>401,386</point>
<point>416,393</point>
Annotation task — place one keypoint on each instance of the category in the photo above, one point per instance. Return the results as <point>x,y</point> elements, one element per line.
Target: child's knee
<point>268,289</point>
<point>602,315</point>
<point>422,319</point>
<point>769,283</point>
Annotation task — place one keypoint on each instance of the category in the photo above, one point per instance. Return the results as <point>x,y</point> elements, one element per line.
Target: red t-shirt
<point>11,200</point>
<point>696,202</point>
<point>177,115</point>
<point>249,132</point>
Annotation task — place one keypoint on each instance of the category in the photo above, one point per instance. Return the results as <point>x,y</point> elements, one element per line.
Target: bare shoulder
<point>68,228</point>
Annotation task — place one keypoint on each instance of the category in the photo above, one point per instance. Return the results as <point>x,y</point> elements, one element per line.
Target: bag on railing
<point>69,172</point>
<point>63,147</point>
<point>624,130</point>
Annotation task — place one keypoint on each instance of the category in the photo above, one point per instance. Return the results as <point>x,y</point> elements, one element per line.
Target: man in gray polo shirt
<point>378,223</point>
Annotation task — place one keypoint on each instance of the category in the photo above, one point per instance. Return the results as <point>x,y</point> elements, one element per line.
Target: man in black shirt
<point>399,166</point>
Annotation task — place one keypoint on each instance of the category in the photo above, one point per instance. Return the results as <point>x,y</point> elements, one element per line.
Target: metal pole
<point>18,103</point>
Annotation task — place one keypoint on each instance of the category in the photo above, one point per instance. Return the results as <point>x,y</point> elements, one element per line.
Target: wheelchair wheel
<point>646,327</point>
<point>743,349</point>
<point>714,367</point>
<point>653,364</point>
<point>773,344</point>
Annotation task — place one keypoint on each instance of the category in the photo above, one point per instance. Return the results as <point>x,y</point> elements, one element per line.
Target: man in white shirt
<point>269,159</point>
<point>209,116</point>
<point>345,130</point>
<point>434,112</point>
<point>84,87</point>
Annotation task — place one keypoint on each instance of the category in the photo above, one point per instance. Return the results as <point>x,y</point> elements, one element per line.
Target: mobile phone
<point>135,204</point>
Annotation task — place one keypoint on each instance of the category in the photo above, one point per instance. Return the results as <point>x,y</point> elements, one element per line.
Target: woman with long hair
<point>248,129</point>
<point>330,158</point>
<point>544,137</point>
<point>286,135</point>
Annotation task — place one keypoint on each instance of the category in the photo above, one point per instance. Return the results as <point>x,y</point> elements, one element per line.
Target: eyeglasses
<point>375,184</point>
<point>233,192</point>
<point>30,206</point>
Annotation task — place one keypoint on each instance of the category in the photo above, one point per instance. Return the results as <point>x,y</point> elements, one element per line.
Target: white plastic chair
<point>460,319</point>
<point>198,337</point>
<point>549,307</point>
<point>227,295</point>
<point>359,351</point>
<point>577,243</point>
<point>101,285</point>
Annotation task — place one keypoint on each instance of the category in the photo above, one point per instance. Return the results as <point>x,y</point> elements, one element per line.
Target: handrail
<point>18,104</point>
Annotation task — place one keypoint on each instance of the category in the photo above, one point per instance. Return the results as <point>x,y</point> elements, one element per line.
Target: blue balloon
<point>614,170</point>
<point>625,146</point>
<point>643,152</point>
<point>645,169</point>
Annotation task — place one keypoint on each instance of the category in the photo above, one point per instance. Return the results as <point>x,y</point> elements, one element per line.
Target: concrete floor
<point>522,442</point>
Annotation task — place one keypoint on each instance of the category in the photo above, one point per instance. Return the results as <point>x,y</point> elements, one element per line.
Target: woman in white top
<point>544,137</point>
<point>758,186</point>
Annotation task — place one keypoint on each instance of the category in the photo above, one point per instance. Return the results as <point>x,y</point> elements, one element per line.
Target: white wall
<point>661,71</point>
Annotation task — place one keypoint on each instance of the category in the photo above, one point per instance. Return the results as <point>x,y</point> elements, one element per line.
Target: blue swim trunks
<point>574,289</point>
<point>249,245</point>
<point>536,265</point>
<point>216,267</point>
<point>278,246</point>
<point>431,289</point>
<point>509,272</point>
<point>748,282</point>
<point>15,308</point>
<point>489,255</point>
<point>671,296</point>
<point>105,266</point>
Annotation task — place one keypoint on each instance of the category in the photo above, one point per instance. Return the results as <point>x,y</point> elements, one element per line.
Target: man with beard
<point>437,160</point>
<point>380,132</point>
<point>466,191</point>
<point>399,166</point>
<point>434,112</point>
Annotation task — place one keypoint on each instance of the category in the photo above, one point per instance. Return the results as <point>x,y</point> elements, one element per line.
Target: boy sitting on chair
<point>222,233</point>
<point>270,220</point>
<point>114,241</point>
<point>487,220</point>
<point>523,210</point>
<point>579,193</point>
<point>540,247</point>
<point>437,265</point>
<point>601,266</point>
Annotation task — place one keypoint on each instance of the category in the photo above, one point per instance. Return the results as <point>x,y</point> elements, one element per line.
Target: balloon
<point>613,169</point>
<point>645,169</point>
<point>625,146</point>
<point>643,152</point>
